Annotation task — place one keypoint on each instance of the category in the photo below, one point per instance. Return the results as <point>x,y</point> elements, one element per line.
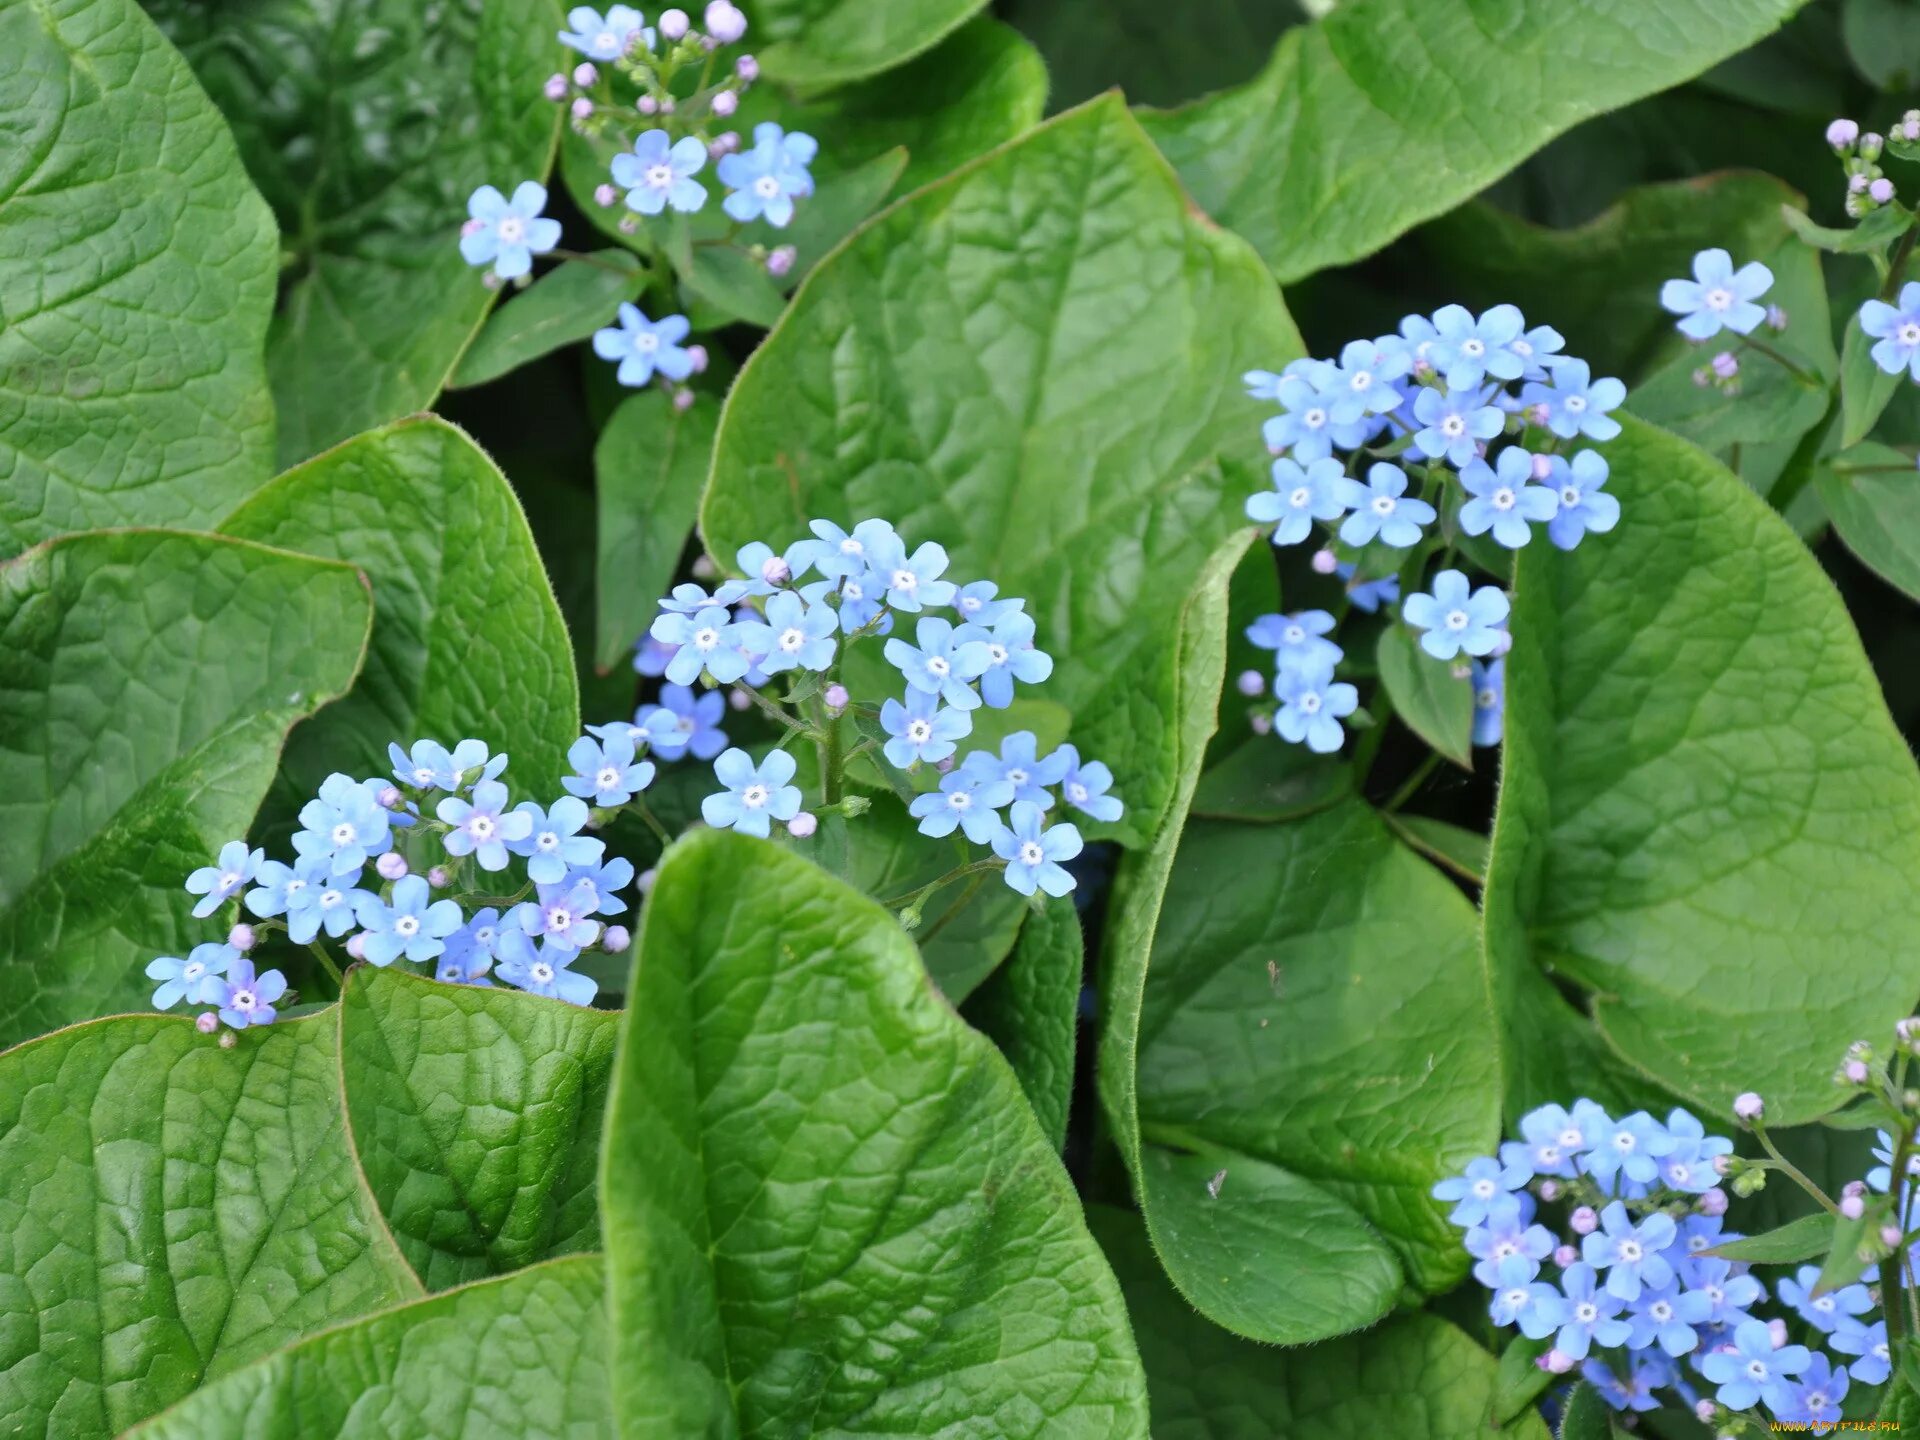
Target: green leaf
<point>826,1206</point>
<point>1416,1375</point>
<point>817,43</point>
<point>523,1356</point>
<point>1267,779</point>
<point>1030,1008</point>
<point>1879,229</point>
<point>1434,703</point>
<point>1843,1264</point>
<point>147,680</point>
<point>136,277</point>
<point>1883,40</point>
<point>567,304</point>
<point>1872,495</point>
<point>1096,45</point>
<point>1311,160</point>
<point>649,465</point>
<point>476,1116</point>
<point>731,282</point>
<point>1585,1416</point>
<point>838,208</point>
<point>977,380</point>
<point>367,123</point>
<point>1451,847</point>
<point>1865,389</point>
<point>173,1210</point>
<point>1518,1380</point>
<point>467,638</point>
<point>1722,850</point>
<point>1807,1238</point>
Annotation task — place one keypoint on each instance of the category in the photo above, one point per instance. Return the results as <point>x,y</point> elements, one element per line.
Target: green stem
<point>959,872</point>
<point>653,824</point>
<point>326,963</point>
<point>1774,355</point>
<point>973,888</point>
<point>1898,264</point>
<point>1793,1171</point>
<point>1413,782</point>
<point>773,711</point>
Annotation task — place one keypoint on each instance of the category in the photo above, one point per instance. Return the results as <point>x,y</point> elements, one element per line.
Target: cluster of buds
<point>1722,373</point>
<point>652,59</point>
<point>1868,187</point>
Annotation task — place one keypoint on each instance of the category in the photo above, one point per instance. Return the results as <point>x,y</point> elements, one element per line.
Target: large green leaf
<point>524,1356</point>
<point>1415,1376</point>
<point>1872,494</point>
<point>147,679</point>
<point>367,123</point>
<point>1389,112</point>
<point>1030,1008</point>
<point>136,277</point>
<point>1094,45</point>
<point>172,1210</point>
<point>467,637</point>
<point>566,305</point>
<point>476,1115</point>
<point>827,1208</point>
<point>1705,815</point>
<point>971,366</point>
<point>816,43</point>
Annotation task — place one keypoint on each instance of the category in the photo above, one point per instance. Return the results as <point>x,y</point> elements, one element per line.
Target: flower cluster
<point>796,613</point>
<point>1457,425</point>
<point>1868,188</point>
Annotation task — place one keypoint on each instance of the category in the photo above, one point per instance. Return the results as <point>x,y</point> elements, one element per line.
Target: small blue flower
<point>1576,404</point>
<point>1728,1295</point>
<point>413,923</point>
<point>692,725</point>
<point>767,571</point>
<point>1591,1314</point>
<point>767,179</point>
<point>1298,498</point>
<point>431,766</point>
<point>1635,1393</point>
<point>1262,384</point>
<point>606,772</point>
<point>1455,620</point>
<point>1896,330</point>
<point>1550,1141</point>
<point>840,553</point>
<point>795,635</point>
<point>603,37</point>
<point>659,172</point>
<point>709,640</point>
<point>1011,656</point>
<point>607,878</point>
<point>1454,425</point>
<point>1536,1307</point>
<point>1814,1399</point>
<point>1869,1342</point>
<point>1880,1177</point>
<point>245,998</point>
<point>964,801</point>
<point>756,795</point>
<point>643,346</point>
<point>507,234</point>
<point>218,883</point>
<point>346,823</point>
<point>922,729</point>
<point>1296,640</point>
<point>912,581</point>
<point>1718,296</point>
<point>310,895</point>
<point>1366,374</point>
<point>1825,1312</point>
<point>1305,427</point>
<point>1312,705</point>
<point>860,603</point>
<point>1631,1255</point>
<point>942,663</point>
<point>1369,595</point>
<point>1688,1164</point>
<point>482,826</point>
<point>195,979</point>
<point>688,598</point>
<point>1033,850</point>
<point>1538,350</point>
<point>977,603</point>
<point>553,840</point>
<point>651,657</point>
<point>1478,1188</point>
<point>1505,499</point>
<point>1509,1233</point>
<point>1468,350</point>
<point>1666,1316</point>
<point>558,917</point>
<point>543,971</point>
<point>1489,701</point>
<point>1085,787</point>
<point>1583,505</point>
<point>471,950</point>
<point>1752,1368</point>
<point>1379,509</point>
<point>1018,763</point>
<point>1632,1146</point>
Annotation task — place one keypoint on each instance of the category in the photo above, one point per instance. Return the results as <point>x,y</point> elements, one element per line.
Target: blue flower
<point>310,895</point>
<point>1631,1255</point>
<point>756,795</point>
<point>651,657</point>
<point>608,878</point>
<point>1664,1315</point>
<point>1896,331</point>
<point>544,971</point>
<point>767,179</point>
<point>860,603</point>
<point>1033,850</point>
<point>1824,1312</point>
<point>942,663</point>
<point>1306,425</point>
<point>1489,701</point>
<point>413,923</point>
<point>1549,1142</point>
<point>1583,505</point>
<point>1454,620</point>
<point>767,571</point>
<point>1509,1233</point>
<point>605,37</point>
<point>709,640</point>
<point>1534,1306</point>
<point>660,173</point>
<point>553,840</point>
<point>1018,763</point>
<point>1296,640</point>
<point>482,826</point>
<point>1718,296</point>
<point>693,725</point>
<point>216,884</point>
<point>1505,500</point>
<point>346,823</point>
<point>922,729</point>
<point>978,604</point>
<point>1379,509</point>
<point>1591,1313</point>
<point>1869,1342</point>
<point>1453,425</point>
<point>471,950</point>
<point>964,801</point>
<point>1688,1163</point>
<point>912,581</point>
<point>507,234</point>
<point>245,998</point>
<point>606,772</point>
<point>1262,384</point>
<point>1312,704</point>
<point>1538,350</point>
<point>1633,1394</point>
<point>195,979</point>
<point>688,598</point>
<point>1727,1295</point>
<point>1752,1368</point>
<point>1085,787</point>
<point>1367,371</point>
<point>1010,656</point>
<point>1298,498</point>
<point>1814,1399</point>
<point>1880,1177</point>
<point>644,346</point>
<point>559,916</point>
<point>795,635</point>
<point>1478,1188</point>
<point>1369,595</point>
<point>430,766</point>
<point>1632,1147</point>
<point>841,553</point>
<point>1468,350</point>
<point>1575,404</point>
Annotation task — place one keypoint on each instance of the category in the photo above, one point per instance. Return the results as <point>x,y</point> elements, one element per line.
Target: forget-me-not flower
<point>912,581</point>
<point>553,841</point>
<point>606,772</point>
<point>1869,1342</point>
<point>543,970</point>
<point>922,729</point>
<point>218,883</point>
<point>1825,1312</point>
<point>1895,330</point>
<point>982,604</point>
<point>1018,763</point>
<point>1298,498</point>
<point>310,895</point>
<point>941,662</point>
<point>1479,1188</point>
<point>1312,705</point>
<point>1813,1399</point>
<point>507,234</point>
<point>643,347</point>
<point>659,172</point>
<point>246,998</point>
<point>1489,703</point>
<point>1718,297</point>
<point>756,795</point>
<point>767,179</point>
<point>1085,787</point>
<point>1033,850</point>
<point>694,718</point>
<point>964,801</point>
<point>1576,404</point>
<point>1505,499</point>
<point>1467,348</point>
<point>482,824</point>
<point>195,979</point>
<point>1298,640</point>
<point>1591,1313</point>
<point>1752,1369</point>
<point>1454,425</point>
<point>1011,656</point>
<point>1455,617</point>
<point>345,822</point>
<point>603,37</point>
<point>1632,1255</point>
<point>795,635</point>
<point>709,640</point>
<point>413,923</point>
<point>1381,509</point>
<point>1583,504</point>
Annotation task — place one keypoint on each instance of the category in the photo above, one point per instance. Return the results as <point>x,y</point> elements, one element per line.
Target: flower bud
<point>1776,318</point>
<point>1260,722</point>
<point>391,866</point>
<point>775,570</point>
<point>747,68</point>
<point>1565,1256</point>
<point>604,196</point>
<point>803,825</point>
<point>1880,191</point>
<point>1749,1106</point>
<point>1713,1202</point>
<point>697,357</point>
<point>1856,184</point>
<point>647,105</point>
<point>1325,562</point>
<point>629,225</point>
<point>683,400</point>
<point>1777,1332</point>
<point>555,88</point>
<point>241,937</point>
<point>1557,1362</point>
<point>582,107</point>
<point>437,877</point>
<point>738,699</point>
<point>703,567</point>
<point>643,882</point>
<point>1890,1236</point>
<point>228,1039</point>
<point>1842,133</point>
<point>724,21</point>
<point>206,1022</point>
<point>492,280</point>
<point>1854,1072</point>
<point>357,946</point>
<point>615,938</point>
<point>1726,365</point>
<point>725,103</point>
<point>666,105</point>
<point>1542,466</point>
<point>1723,1164</point>
<point>1910,126</point>
<point>1853,1207</point>
<point>1704,1410</point>
<point>1549,1190</point>
<point>584,75</point>
<point>1583,1221</point>
<point>1870,144</point>
<point>780,259</point>
<point>674,24</point>
<point>1251,683</point>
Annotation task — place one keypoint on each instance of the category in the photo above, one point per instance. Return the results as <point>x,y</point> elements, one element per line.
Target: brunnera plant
<point>912,812</point>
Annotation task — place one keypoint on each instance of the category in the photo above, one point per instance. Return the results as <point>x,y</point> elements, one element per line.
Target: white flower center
<point>853,590</point>
<point>559,918</point>
<point>228,879</point>
<point>1522,348</point>
<point>343,833</point>
<point>1661,1311</point>
<point>938,667</point>
<point>646,342</point>
<point>1031,853</point>
<point>1383,504</point>
<point>754,796</point>
<point>969,604</point>
<point>1076,792</point>
<point>330,898</point>
<point>1309,704</point>
<point>919,731</point>
<point>766,187</point>
<point>997,653</point>
<point>904,580</point>
<point>1361,379</point>
<point>1630,1251</point>
<point>1910,333</point>
<point>684,724</point>
<point>406,927</point>
<point>294,887</point>
<point>546,840</point>
<point>1718,298</point>
<point>1456,620</point>
<point>243,1000</point>
<point>606,40</point>
<point>791,640</point>
<point>1569,496</point>
<point>1502,499</point>
<point>1453,426</point>
<point>705,638</point>
<point>1715,1294</point>
<point>607,779</point>
<point>1488,699</point>
<point>1576,403</point>
<point>192,970</point>
<point>660,176</point>
<point>1546,1154</point>
<point>541,972</point>
<point>1300,497</point>
<point>1473,349</point>
<point>1017,776</point>
<point>422,776</point>
<point>851,546</point>
<point>1571,1139</point>
<point>483,937</point>
<point>511,229</point>
<point>1482,1189</point>
<point>1517,1299</point>
<point>1757,1369</point>
<point>1586,1312</point>
<point>959,800</point>
<point>1294,634</point>
<point>1314,418</point>
<point>480,826</point>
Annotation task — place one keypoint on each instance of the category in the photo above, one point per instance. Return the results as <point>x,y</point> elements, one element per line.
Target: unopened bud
<point>584,75</point>
<point>739,699</point>
<point>206,1022</point>
<point>643,882</point>
<point>1549,1190</point>
<point>725,103</point>
<point>357,946</point>
<point>391,866</point>
<point>667,106</point>
<point>1854,1072</point>
<point>1870,145</point>
<point>1776,318</point>
<point>1910,127</point>
<point>803,825</point>
<point>674,24</point>
<point>1853,1207</point>
<point>629,225</point>
<point>724,21</point>
<point>242,938</point>
<point>1260,722</point>
<point>836,697</point>
<point>1842,133</point>
<point>1726,365</point>
<point>1557,1362</point>
<point>437,877</point>
<point>1704,1410</point>
<point>1542,465</point>
<point>1856,184</point>
<point>704,568</point>
<point>1583,1221</point>
<point>647,105</point>
<point>1890,1236</point>
<point>582,108</point>
<point>228,1039</point>
<point>605,196</point>
<point>775,570</point>
<point>555,88</point>
<point>1777,1332</point>
<point>1880,191</point>
<point>1325,562</point>
<point>1565,1256</point>
<point>1749,1106</point>
<point>747,68</point>
<point>780,259</point>
<point>1713,1202</point>
<point>615,938</point>
<point>683,400</point>
<point>1251,683</point>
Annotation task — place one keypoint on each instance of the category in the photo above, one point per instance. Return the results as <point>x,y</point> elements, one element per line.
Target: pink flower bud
<point>1777,1332</point>
<point>1856,184</point>
<point>776,571</point>
<point>836,697</point>
<point>724,21</point>
<point>1776,318</point>
<point>1713,1202</point>
<point>615,938</point>
<point>747,68</point>
<point>1853,1207</point>
<point>738,699</point>
<point>1726,365</point>
<point>1325,562</point>
<point>555,88</point>
<point>683,400</point>
<point>780,259</point>
<point>437,877</point>
<point>582,108</point>
<point>643,882</point>
<point>1583,1221</point>
<point>1890,1236</point>
<point>391,866</point>
<point>492,280</point>
<point>1557,1362</point>
<point>1910,127</point>
<point>241,937</point>
<point>646,105</point>
<point>1870,144</point>
<point>697,357</point>
<point>1251,683</point>
<point>1880,191</point>
<point>1565,1256</point>
<point>1260,723</point>
<point>1704,1410</point>
<point>666,105</point>
<point>605,195</point>
<point>704,568</point>
<point>725,103</point>
<point>674,24</point>
<point>1842,133</point>
<point>629,225</point>
<point>357,946</point>
<point>1854,1187</point>
<point>206,1022</point>
<point>1749,1106</point>
<point>1855,1071</point>
<point>803,825</point>
<point>389,798</point>
<point>1907,1030</point>
<point>584,75</point>
<point>1542,464</point>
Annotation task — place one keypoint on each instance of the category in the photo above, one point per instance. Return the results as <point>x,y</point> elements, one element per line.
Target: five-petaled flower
<point>756,795</point>
<point>1033,850</point>
<point>508,233</point>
